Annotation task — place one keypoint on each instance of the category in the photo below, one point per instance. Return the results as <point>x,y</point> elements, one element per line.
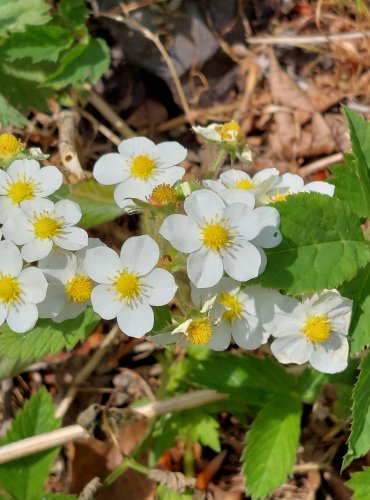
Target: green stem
<point>213,171</point>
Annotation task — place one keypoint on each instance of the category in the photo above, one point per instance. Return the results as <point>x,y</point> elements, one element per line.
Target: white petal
<point>135,320</point>
<point>33,285</point>
<point>232,177</point>
<point>36,249</point>
<point>182,232</point>
<point>165,338</point>
<point>37,205</point>
<point>199,296</point>
<point>247,332</point>
<point>320,187</point>
<point>54,302</point>
<point>161,287</point>
<point>238,196</point>
<point>292,349</point>
<point>289,182</point>
<point>170,153</point>
<point>131,188</point>
<point>269,221</point>
<point>221,337</point>
<point>243,220</point>
<point>22,317</point>
<point>326,301</point>
<point>330,356</point>
<point>104,302</point>
<point>242,261</point>
<point>18,229</point>
<point>136,146</point>
<point>110,169</point>
<point>9,209</point>
<point>48,180</point>
<point>70,311</point>
<point>102,264</point>
<point>69,210</point>
<point>169,175</point>
<point>72,238</point>
<point>139,254</point>
<point>60,264</point>
<point>267,174</point>
<point>215,186</point>
<point>205,268</point>
<point>10,259</point>
<point>204,205</point>
<point>282,315</point>
<point>3,312</point>
<point>23,167</point>
<point>5,180</point>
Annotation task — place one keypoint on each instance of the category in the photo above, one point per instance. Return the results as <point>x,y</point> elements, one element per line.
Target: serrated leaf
<point>96,202</point>
<point>322,246</point>
<point>85,62</point>
<point>73,13</point>
<point>15,15</point>
<point>359,439</point>
<point>358,290</point>
<point>24,478</point>
<point>271,446</point>
<point>39,43</point>
<point>47,337</point>
<point>359,132</point>
<point>244,378</point>
<point>10,116</point>
<point>349,186</point>
<point>360,484</point>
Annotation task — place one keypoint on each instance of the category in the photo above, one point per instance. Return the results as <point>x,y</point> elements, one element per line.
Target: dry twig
<point>307,40</point>
<point>67,121</point>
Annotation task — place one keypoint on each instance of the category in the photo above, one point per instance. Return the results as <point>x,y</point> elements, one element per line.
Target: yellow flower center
<point>9,288</point>
<point>127,285</point>
<point>21,190</point>
<point>143,166</point>
<point>233,307</point>
<point>216,236</point>
<point>200,331</point>
<point>79,288</point>
<point>279,196</point>
<point>10,145</point>
<point>244,184</point>
<point>231,132</point>
<point>46,226</point>
<point>317,328</point>
<point>162,195</point>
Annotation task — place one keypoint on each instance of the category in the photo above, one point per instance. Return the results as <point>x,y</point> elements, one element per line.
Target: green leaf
<point>10,116</point>
<point>73,13</point>
<point>24,478</point>
<point>9,367</point>
<point>358,290</point>
<point>165,493</point>
<point>39,43</point>
<point>162,318</point>
<point>15,15</point>
<point>271,446</point>
<point>310,383</point>
<point>359,131</point>
<point>85,62</point>
<point>47,337</point>
<point>244,378</point>
<point>359,439</point>
<point>96,202</point>
<point>360,484</point>
<point>322,245</point>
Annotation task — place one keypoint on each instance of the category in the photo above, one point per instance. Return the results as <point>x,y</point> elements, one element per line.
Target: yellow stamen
<point>142,167</point>
<point>279,196</point>
<point>244,184</point>
<point>10,145</point>
<point>162,195</point>
<point>127,285</point>
<point>45,226</point>
<point>21,190</point>
<point>200,331</point>
<point>232,305</point>
<point>317,328</point>
<point>79,288</point>
<point>9,288</point>
<point>216,236</point>
<point>231,132</point>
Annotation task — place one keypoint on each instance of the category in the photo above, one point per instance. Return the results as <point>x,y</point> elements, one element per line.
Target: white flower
<point>139,167</point>
<point>229,132</point>
<point>314,330</point>
<point>70,287</point>
<point>237,186</point>
<point>20,290</point>
<point>44,224</point>
<point>235,312</point>
<point>218,238</point>
<point>129,284</point>
<point>25,180</point>
<point>289,184</point>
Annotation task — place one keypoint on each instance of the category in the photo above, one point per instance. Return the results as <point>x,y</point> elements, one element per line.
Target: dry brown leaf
<point>339,130</point>
<point>316,139</point>
<point>283,138</point>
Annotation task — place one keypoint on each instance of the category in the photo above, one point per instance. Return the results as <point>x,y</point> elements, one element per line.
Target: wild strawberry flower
<point>70,287</point>
<point>237,186</point>
<point>129,284</point>
<point>139,167</point>
<point>20,290</point>
<point>25,180</point>
<point>217,237</point>
<point>10,145</point>
<point>44,224</point>
<point>314,330</point>
<point>289,184</point>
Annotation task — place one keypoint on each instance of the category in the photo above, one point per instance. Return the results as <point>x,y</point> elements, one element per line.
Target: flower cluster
<point>217,232</point>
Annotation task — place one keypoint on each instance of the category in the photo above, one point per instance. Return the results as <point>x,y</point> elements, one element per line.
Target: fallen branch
<point>62,436</point>
<point>67,122</point>
<point>307,40</point>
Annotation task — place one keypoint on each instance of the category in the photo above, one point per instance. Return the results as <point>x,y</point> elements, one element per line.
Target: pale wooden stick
<point>318,165</point>
<point>307,40</point>
<point>59,437</point>
<point>86,371</point>
<point>67,122</point>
